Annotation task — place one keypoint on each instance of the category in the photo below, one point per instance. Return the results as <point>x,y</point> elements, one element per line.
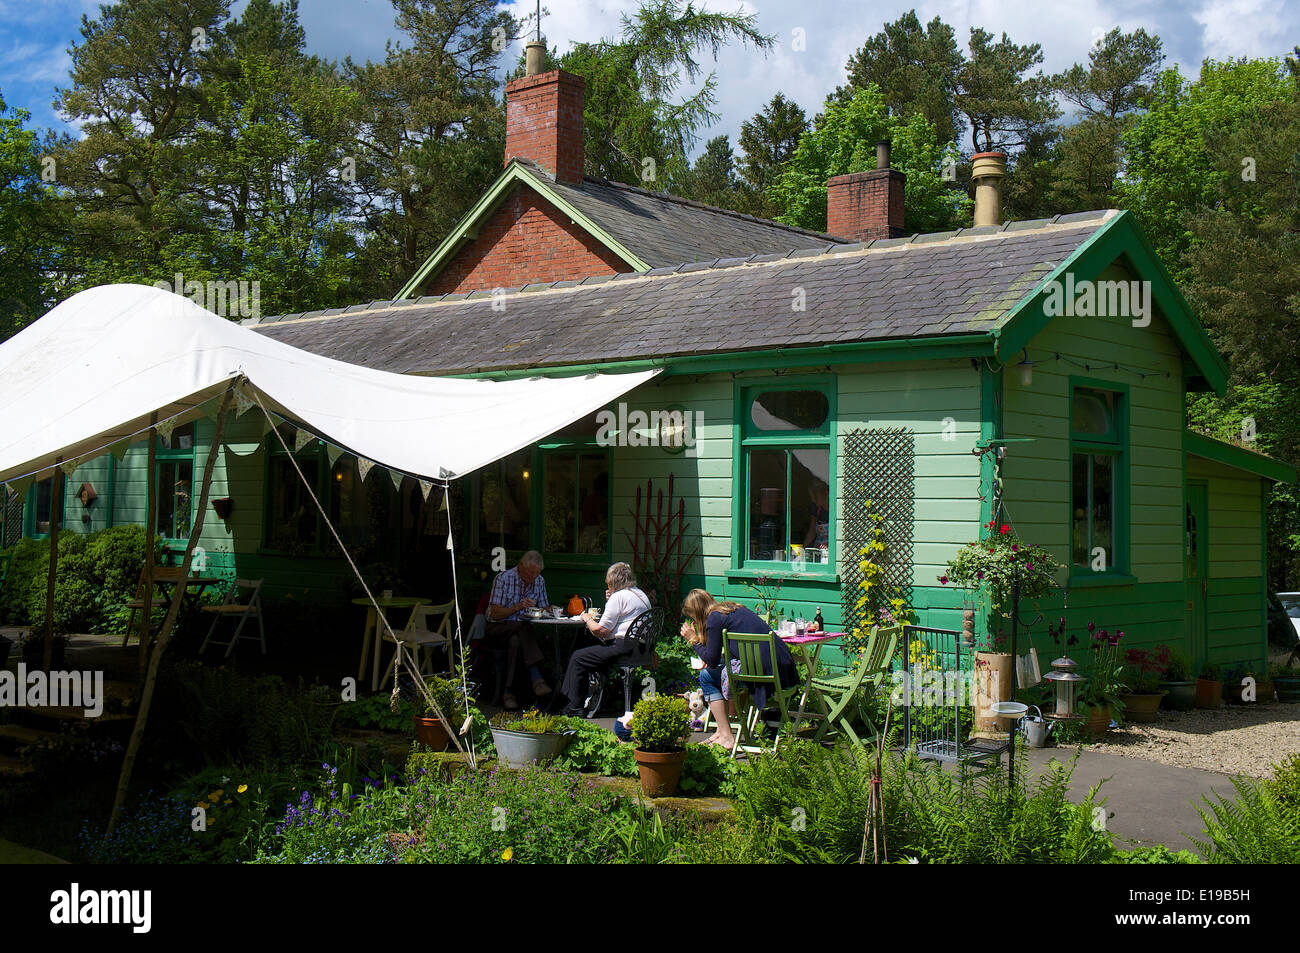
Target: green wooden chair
<point>752,675</point>
<point>844,694</point>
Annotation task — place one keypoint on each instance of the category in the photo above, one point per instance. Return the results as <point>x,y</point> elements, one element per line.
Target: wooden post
<point>56,510</point>
<point>178,597</point>
<point>150,553</point>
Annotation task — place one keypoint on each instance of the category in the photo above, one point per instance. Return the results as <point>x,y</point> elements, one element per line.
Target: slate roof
<point>925,286</point>
<point>663,229</point>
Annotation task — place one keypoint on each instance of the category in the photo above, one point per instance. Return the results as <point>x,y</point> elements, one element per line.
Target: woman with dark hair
<point>705,620</point>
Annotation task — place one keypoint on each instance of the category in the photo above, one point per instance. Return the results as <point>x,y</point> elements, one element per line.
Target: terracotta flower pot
<point>1098,723</point>
<point>432,733</point>
<point>1209,693</point>
<point>660,771</point>
<point>1141,708</point>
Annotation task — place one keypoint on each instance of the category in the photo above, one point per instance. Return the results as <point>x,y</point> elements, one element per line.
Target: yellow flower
<point>508,853</point>
<point>241,789</point>
<point>215,796</point>
<point>227,801</point>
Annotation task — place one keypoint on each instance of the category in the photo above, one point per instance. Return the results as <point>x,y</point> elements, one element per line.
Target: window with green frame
<point>174,482</point>
<point>39,500</point>
<point>554,497</point>
<point>786,501</point>
<point>1098,480</point>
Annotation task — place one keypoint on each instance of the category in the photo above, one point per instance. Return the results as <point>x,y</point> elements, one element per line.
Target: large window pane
<point>292,515</point>
<point>593,506</point>
<point>175,482</point>
<point>504,508</point>
<point>768,497</point>
<point>1079,510</point>
<point>561,483</point>
<point>788,488</point>
<point>349,505</point>
<point>1103,500</point>
<point>789,410</point>
<point>810,501</point>
<point>43,498</point>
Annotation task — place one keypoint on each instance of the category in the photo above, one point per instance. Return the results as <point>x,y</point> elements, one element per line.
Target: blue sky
<point>35,36</point>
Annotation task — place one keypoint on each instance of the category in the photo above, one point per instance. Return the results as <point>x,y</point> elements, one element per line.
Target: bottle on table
<point>818,621</point>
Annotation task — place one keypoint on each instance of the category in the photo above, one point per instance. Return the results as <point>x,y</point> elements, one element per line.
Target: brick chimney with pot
<point>544,118</point>
<point>867,205</point>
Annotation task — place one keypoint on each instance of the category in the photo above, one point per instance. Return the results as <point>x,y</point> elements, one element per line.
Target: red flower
<point>1005,529</point>
<point>943,580</point>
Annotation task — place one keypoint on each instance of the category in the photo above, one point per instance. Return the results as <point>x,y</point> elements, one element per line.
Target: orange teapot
<point>578,605</point>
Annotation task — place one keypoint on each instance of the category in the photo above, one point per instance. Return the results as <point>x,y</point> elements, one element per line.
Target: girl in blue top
<point>705,620</point>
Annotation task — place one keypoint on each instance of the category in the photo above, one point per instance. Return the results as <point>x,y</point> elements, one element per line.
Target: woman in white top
<point>624,602</point>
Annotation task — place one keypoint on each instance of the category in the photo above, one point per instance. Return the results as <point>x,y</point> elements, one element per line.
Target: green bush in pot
<point>660,726</point>
<point>1178,681</point>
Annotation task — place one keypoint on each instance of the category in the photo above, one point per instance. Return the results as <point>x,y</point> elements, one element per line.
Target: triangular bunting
<point>268,424</point>
<point>396,476</point>
<point>425,487</point>
<point>301,439</point>
<point>363,467</point>
<point>118,450</point>
<point>165,428</point>
<point>20,486</point>
<point>333,453</point>
<point>243,403</point>
<point>69,466</point>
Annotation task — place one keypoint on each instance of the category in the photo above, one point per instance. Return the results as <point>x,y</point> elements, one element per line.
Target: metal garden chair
<point>752,677</point>
<point>844,694</point>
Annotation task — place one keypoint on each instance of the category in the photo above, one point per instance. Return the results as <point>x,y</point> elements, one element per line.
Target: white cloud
<point>1246,27</point>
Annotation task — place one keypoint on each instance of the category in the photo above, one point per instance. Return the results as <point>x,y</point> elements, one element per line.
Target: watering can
<point>1035,728</point>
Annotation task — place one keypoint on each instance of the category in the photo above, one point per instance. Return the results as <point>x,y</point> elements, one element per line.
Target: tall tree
<point>916,69</point>
<point>712,179</point>
<point>432,132</point>
<point>637,129</point>
<point>1003,106</point>
<point>845,141</point>
<point>1169,172</point>
<point>767,141</point>
<point>30,233</point>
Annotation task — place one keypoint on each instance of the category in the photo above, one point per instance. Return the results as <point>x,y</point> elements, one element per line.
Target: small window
<point>785,410</point>
<point>577,503</point>
<point>42,498</point>
<point>1094,414</point>
<point>505,502</point>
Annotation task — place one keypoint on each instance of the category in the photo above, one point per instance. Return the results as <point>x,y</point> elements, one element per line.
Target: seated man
<point>513,592</point>
<point>623,603</point>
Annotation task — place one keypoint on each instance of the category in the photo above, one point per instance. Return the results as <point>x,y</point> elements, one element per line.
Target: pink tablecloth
<point>810,639</point>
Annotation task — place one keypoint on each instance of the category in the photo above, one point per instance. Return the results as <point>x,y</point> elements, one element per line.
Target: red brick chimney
<point>867,205</point>
<point>544,118</point>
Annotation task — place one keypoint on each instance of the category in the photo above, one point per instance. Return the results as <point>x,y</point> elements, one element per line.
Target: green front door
<point>1196,571</point>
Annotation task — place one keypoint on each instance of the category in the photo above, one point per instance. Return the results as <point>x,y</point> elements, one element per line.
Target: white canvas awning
<point>90,373</point>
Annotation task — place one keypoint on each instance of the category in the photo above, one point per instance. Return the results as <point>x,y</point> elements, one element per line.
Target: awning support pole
<point>56,510</point>
<point>150,553</point>
<point>173,610</point>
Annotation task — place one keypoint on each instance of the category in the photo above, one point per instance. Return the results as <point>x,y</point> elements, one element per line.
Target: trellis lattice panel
<point>11,518</point>
<point>878,464</point>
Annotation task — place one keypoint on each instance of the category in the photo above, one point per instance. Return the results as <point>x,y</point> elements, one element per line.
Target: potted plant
<point>430,730</point>
<point>522,739</point>
<point>1178,682</point>
<point>1209,687</point>
<point>660,726</point>
<point>1243,684</point>
<point>1287,681</point>
<point>1099,699</point>
<point>1142,672</point>
<point>993,564</point>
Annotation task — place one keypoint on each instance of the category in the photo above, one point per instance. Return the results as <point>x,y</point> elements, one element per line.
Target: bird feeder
<point>1065,685</point>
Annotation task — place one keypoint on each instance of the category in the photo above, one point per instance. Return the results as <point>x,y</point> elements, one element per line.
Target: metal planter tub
<point>519,749</point>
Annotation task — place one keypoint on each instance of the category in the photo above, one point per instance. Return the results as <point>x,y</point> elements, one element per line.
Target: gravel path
<point>1236,739</point>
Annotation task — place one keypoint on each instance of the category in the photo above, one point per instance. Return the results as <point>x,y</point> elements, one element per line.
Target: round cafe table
<point>557,629</point>
<point>372,628</point>
<point>801,644</point>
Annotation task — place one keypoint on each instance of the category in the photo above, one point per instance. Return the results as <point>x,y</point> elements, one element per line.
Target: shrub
<point>1258,827</point>
<point>661,723</point>
<point>595,749</point>
<point>1285,784</point>
<point>709,769</point>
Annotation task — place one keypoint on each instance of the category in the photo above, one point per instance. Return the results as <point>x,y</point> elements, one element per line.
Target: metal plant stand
<point>938,684</point>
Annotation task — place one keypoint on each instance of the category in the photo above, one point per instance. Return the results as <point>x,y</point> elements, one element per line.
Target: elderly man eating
<point>513,593</point>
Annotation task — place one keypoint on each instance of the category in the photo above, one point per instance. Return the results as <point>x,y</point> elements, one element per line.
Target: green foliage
<point>1178,667</point>
<point>1285,784</point>
<point>994,562</point>
<point>29,228</point>
<point>660,723</point>
<point>639,835</point>
<point>376,711</point>
<point>96,576</point>
<point>845,140</point>
<point>220,715</point>
<point>1159,854</point>
<point>709,770</point>
<point>1260,826</point>
<point>597,750</point>
<point>534,722</point>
